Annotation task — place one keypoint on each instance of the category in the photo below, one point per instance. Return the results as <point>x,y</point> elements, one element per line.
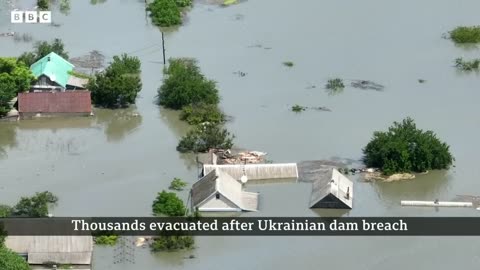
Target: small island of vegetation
<point>405,149</point>
<point>167,13</point>
<point>465,34</point>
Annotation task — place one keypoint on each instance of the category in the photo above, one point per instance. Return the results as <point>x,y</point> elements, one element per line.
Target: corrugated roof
<point>333,183</point>
<point>257,171</point>
<point>77,82</point>
<point>53,66</point>
<point>55,102</point>
<point>218,181</point>
<point>59,249</point>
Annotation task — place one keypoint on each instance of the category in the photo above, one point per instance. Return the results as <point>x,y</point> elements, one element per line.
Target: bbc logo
<point>31,17</point>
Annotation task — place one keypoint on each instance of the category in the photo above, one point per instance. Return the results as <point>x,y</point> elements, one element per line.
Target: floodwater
<point>114,163</point>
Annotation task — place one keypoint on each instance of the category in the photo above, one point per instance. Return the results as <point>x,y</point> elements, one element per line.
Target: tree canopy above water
<point>405,148</point>
<point>43,48</point>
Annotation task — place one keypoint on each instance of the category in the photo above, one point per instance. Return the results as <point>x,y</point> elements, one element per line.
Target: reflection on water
<point>118,123</point>
<point>8,138</point>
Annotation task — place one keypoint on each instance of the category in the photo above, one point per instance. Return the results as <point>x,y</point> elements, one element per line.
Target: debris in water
<point>421,81</point>
<point>7,34</point>
<point>240,73</point>
<point>367,85</point>
<point>298,108</point>
<point>93,60</point>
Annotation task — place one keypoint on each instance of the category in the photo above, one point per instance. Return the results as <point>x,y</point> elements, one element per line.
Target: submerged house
<point>56,91</point>
<point>218,191</point>
<point>74,251</point>
<point>333,190</point>
<point>256,171</point>
<point>54,73</point>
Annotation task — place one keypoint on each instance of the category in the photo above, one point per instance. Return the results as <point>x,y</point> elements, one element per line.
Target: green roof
<point>53,66</point>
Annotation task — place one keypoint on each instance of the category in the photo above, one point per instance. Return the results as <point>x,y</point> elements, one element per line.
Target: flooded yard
<point>114,163</point>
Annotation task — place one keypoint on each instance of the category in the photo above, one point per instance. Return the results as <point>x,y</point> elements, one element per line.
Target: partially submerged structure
<point>332,190</point>
<point>256,171</point>
<point>218,191</point>
<point>54,73</point>
<point>75,251</point>
<point>71,103</point>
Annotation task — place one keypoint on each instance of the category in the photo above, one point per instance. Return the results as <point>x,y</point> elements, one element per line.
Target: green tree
<point>165,13</point>
<point>186,85</point>
<point>14,78</point>
<point>168,203</point>
<point>119,84</point>
<point>404,148</point>
<point>205,137</point>
<point>202,113</point>
<point>43,4</point>
<point>172,242</point>
<point>466,34</point>
<point>9,260</point>
<point>5,211</point>
<point>42,48</point>
<point>35,206</point>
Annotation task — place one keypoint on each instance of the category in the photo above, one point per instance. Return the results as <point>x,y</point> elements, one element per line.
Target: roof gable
<point>54,67</point>
<point>334,187</point>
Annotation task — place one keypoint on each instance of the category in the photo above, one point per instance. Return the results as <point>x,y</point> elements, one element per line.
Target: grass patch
<point>465,65</point>
<point>466,34</point>
<point>288,64</point>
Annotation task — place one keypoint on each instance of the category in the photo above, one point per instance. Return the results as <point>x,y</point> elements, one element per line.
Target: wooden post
<point>163,48</point>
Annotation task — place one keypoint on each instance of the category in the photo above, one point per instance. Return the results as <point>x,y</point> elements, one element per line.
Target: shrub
<point>466,34</point>
<point>168,204</point>
<point>288,64</point>
<point>298,108</point>
<point>177,184</point>
<point>202,113</point>
<point>466,65</point>
<point>43,4</point>
<point>404,148</point>
<point>9,260</point>
<point>15,77</point>
<point>186,85</point>
<point>106,240</point>
<point>172,242</point>
<point>35,206</point>
<point>5,211</point>
<point>205,137</point>
<point>165,13</point>
<point>119,84</point>
<point>335,84</point>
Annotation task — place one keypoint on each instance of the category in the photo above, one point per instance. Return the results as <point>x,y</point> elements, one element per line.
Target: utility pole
<point>163,49</point>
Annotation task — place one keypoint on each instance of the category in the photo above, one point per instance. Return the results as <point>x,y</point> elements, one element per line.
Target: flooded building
<point>218,191</point>
<point>54,73</point>
<point>39,251</point>
<point>332,190</point>
<point>47,104</point>
<point>256,171</point>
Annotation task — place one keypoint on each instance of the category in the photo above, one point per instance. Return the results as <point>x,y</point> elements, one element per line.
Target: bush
<point>404,148</point>
<point>119,84</point>
<point>205,137</point>
<point>35,206</point>
<point>5,211</point>
<point>288,64</point>
<point>14,78</point>
<point>177,184</point>
<point>466,65</point>
<point>9,260</point>
<point>298,108</point>
<point>168,204</point>
<point>466,34</point>
<point>186,85</point>
<point>172,242</point>
<point>43,4</point>
<point>165,13</point>
<point>335,84</point>
<point>106,240</point>
<point>202,113</point>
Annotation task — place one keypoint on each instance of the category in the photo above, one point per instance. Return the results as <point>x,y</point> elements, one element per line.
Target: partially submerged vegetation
<point>404,149</point>
<point>168,204</point>
<point>467,65</point>
<point>335,84</point>
<point>288,64</point>
<point>167,13</point>
<point>41,49</point>
<point>43,4</point>
<point>15,77</point>
<point>185,88</point>
<point>298,108</point>
<point>106,240</point>
<point>177,184</point>
<point>119,85</point>
<point>465,34</point>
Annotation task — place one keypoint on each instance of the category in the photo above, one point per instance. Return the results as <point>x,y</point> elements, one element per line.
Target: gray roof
<point>257,171</point>
<point>218,181</point>
<point>75,250</point>
<point>334,184</point>
<point>77,82</point>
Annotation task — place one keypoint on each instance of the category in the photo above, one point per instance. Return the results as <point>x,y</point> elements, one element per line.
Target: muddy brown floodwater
<point>114,163</point>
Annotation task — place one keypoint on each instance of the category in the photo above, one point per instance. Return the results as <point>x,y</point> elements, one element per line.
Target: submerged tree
<point>10,260</point>
<point>43,48</point>
<point>168,204</point>
<point>205,137</point>
<point>14,78</point>
<point>404,148</point>
<point>186,85</point>
<point>35,206</point>
<point>466,34</point>
<point>119,84</point>
<point>165,13</point>
<point>177,184</point>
